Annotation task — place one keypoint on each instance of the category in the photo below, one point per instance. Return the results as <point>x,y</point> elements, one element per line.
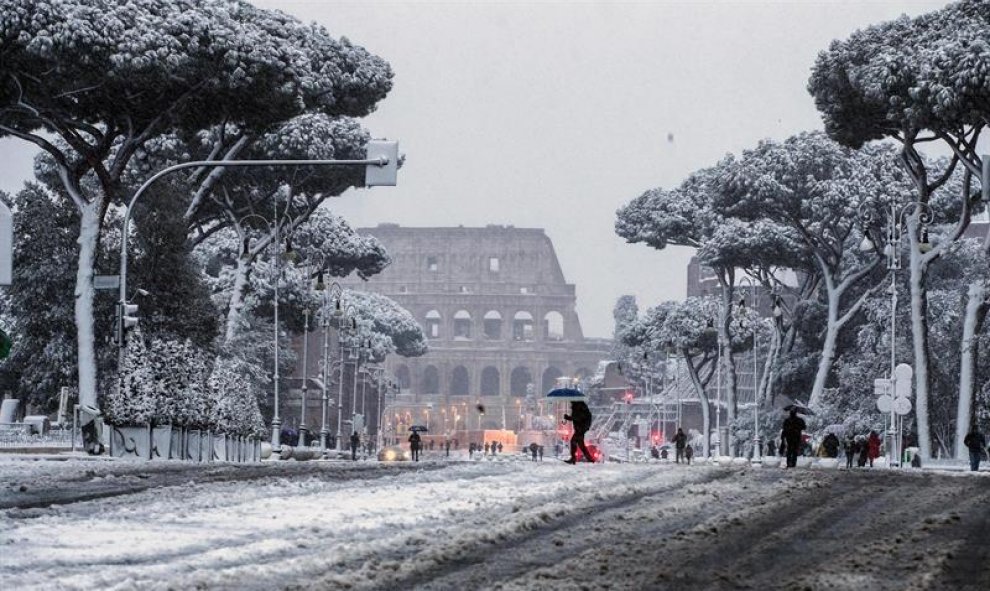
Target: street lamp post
<point>333,294</point>
<point>896,225</point>
<point>757,441</point>
<point>380,165</point>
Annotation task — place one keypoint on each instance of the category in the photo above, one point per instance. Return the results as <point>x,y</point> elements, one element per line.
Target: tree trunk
<point>828,350</point>
<point>976,311</point>
<point>919,336</point>
<point>706,419</point>
<point>89,234</point>
<point>236,307</point>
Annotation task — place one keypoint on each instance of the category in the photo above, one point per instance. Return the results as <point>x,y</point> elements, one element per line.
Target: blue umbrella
<point>418,428</point>
<point>565,394</point>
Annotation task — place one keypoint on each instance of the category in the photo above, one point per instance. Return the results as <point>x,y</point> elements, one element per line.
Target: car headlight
<point>389,455</point>
<point>407,455</point>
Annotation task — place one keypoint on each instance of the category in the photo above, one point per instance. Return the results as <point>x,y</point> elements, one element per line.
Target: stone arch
<point>522,326</point>
<point>518,381</point>
<point>431,380</point>
<point>490,381</point>
<point>493,325</point>
<point>402,377</point>
<point>460,383</point>
<point>462,325</point>
<point>550,376</point>
<point>553,326</point>
<point>433,320</point>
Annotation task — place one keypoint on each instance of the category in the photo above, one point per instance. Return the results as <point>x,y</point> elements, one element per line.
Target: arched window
<point>403,378</point>
<point>520,379</point>
<point>493,325</point>
<point>553,326</point>
<point>460,385</point>
<point>462,325</point>
<point>550,376</point>
<point>522,326</point>
<point>433,324</point>
<point>431,380</point>
<point>490,382</point>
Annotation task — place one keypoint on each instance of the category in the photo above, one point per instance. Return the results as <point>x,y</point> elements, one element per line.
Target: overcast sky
<point>555,114</point>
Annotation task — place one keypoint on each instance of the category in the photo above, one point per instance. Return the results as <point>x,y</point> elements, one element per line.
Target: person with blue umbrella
<point>581,418</point>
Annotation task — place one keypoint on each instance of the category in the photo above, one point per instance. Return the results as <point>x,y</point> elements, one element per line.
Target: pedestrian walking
<point>581,418</point>
<point>790,436</point>
<point>976,442</point>
<point>415,441</point>
<point>486,448</point>
<point>446,447</point>
<point>831,445</point>
<point>355,442</point>
<point>850,448</point>
<point>539,449</point>
<point>499,447</point>
<point>680,442</point>
<point>873,443</point>
<point>533,449</point>
<point>471,451</point>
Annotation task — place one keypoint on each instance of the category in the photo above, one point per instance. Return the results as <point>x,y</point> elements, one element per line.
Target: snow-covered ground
<point>459,526</point>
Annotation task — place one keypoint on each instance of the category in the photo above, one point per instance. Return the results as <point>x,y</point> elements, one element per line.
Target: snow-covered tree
<point>135,399</point>
<point>817,189</point>
<point>684,217</point>
<point>234,407</point>
<point>915,80</point>
<point>688,329</point>
<point>116,75</point>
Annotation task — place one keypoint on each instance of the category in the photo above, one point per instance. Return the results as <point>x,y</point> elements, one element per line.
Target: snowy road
<point>487,526</point>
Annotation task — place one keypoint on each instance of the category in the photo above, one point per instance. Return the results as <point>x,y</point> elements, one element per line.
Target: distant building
<point>497,311</point>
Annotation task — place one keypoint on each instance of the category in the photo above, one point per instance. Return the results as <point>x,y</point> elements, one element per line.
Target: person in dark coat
<point>487,445</point>
<point>771,448</point>
<point>539,450</point>
<point>446,447</point>
<point>790,436</point>
<point>471,451</point>
<point>831,445</point>
<point>355,443</point>
<point>533,449</point>
<point>851,447</point>
<point>864,451</point>
<point>581,418</point>
<point>680,442</point>
<point>873,443</point>
<point>499,447</point>
<point>976,443</point>
<point>415,441</point>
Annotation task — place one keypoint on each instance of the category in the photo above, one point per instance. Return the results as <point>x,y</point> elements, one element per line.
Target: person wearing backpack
<point>680,442</point>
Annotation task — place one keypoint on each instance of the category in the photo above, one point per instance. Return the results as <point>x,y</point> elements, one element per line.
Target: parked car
<point>394,453</point>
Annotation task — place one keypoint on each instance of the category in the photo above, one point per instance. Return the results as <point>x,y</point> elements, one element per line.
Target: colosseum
<point>499,315</point>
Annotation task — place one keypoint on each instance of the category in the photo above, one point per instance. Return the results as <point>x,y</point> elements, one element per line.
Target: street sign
<point>902,405</point>
<point>106,282</point>
<point>885,403</point>
<point>881,387</point>
<point>382,176</point>
<point>902,380</point>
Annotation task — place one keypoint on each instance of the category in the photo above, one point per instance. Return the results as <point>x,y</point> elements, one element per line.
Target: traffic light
<point>126,319</point>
